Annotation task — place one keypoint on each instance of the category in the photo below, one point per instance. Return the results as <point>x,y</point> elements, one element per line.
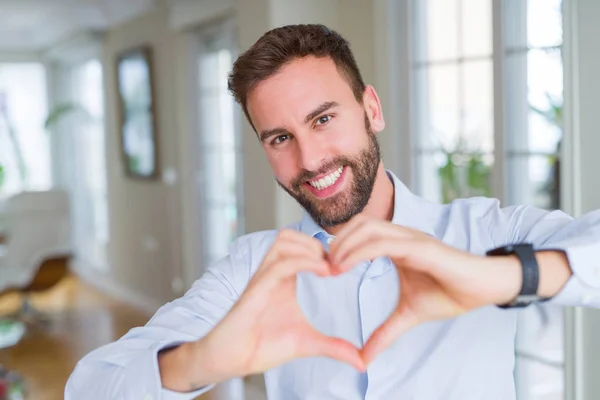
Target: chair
<point>37,248</point>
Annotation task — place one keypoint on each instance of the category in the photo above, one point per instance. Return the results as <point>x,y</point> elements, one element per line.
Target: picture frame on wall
<point>137,113</point>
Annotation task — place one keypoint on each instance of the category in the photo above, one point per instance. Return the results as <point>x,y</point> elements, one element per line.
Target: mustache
<point>331,165</point>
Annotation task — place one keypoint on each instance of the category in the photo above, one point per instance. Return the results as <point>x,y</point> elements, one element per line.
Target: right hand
<point>266,327</point>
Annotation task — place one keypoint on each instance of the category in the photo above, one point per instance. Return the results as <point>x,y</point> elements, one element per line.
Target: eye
<point>280,139</point>
<point>323,120</point>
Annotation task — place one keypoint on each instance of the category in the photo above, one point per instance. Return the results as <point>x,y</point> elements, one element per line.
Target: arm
<point>216,332</point>
<point>129,368</point>
<point>570,269</point>
<point>438,281</point>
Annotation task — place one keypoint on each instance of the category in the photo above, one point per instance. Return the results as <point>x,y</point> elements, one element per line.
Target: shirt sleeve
<point>128,368</point>
<point>554,230</point>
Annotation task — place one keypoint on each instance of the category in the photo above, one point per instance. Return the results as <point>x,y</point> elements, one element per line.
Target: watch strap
<point>530,272</point>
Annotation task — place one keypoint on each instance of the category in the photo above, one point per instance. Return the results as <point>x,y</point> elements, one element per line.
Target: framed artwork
<point>137,113</point>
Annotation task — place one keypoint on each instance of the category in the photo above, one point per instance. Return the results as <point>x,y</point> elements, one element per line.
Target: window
<point>88,179</point>
<point>533,60</point>
<point>24,143</point>
<point>220,145</point>
<point>453,95</point>
<point>461,51</point>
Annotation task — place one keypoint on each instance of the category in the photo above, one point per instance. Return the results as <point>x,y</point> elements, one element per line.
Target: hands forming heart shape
<point>267,328</point>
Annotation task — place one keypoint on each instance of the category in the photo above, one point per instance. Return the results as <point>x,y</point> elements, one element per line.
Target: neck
<point>381,202</point>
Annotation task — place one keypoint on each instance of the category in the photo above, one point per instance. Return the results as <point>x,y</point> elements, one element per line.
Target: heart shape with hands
<point>266,327</point>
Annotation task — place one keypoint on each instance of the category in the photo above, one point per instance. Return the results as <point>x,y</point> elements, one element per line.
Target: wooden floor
<point>82,319</point>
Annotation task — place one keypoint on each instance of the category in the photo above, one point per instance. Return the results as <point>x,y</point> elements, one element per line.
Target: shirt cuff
<point>583,287</point>
<point>149,367</point>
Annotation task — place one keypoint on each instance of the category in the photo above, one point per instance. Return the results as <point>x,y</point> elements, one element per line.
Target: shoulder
<point>478,218</point>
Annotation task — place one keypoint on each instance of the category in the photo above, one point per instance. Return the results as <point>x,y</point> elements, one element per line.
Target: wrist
<point>554,272</point>
<point>186,368</point>
<point>507,272</point>
<point>206,363</point>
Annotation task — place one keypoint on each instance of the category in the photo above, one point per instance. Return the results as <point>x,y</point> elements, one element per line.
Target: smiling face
<point>319,140</point>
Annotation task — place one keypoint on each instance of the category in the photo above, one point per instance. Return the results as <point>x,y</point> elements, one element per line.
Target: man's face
<point>318,139</point>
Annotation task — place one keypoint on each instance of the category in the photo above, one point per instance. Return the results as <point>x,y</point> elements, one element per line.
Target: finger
<point>337,349</point>
<point>383,337</point>
<point>292,243</point>
<point>289,267</point>
<point>380,247</point>
<point>289,249</point>
<point>297,236</point>
<point>349,230</point>
<point>361,236</point>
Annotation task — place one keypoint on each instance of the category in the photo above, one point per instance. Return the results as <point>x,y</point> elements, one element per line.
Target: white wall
<point>145,220</point>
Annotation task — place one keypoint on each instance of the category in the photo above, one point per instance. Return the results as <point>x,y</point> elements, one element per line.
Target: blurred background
<point>126,168</point>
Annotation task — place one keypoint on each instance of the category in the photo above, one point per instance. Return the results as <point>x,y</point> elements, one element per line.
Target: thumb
<point>336,348</point>
<point>383,337</point>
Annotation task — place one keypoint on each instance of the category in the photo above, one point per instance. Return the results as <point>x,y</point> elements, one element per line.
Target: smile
<point>327,181</point>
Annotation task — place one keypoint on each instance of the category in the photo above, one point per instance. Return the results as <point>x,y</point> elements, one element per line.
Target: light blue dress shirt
<point>470,357</point>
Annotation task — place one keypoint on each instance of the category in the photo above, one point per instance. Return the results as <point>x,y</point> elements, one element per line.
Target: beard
<point>341,207</point>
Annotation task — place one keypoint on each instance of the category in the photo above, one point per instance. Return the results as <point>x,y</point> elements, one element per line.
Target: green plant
<point>12,136</point>
<point>464,173</point>
<point>553,114</point>
<point>57,113</point>
<point>61,111</point>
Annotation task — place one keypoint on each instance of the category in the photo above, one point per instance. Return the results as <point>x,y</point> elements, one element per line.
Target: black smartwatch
<point>531,273</point>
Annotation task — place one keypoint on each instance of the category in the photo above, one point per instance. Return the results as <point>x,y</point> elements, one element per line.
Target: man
<point>375,293</point>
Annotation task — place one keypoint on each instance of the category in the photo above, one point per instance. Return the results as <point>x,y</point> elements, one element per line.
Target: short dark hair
<point>280,46</point>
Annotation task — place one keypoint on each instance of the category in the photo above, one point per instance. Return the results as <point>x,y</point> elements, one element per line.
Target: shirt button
<point>330,240</point>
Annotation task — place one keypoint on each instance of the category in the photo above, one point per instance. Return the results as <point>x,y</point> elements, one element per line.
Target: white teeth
<point>328,180</point>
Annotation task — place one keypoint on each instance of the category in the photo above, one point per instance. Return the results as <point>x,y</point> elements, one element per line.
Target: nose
<point>311,153</point>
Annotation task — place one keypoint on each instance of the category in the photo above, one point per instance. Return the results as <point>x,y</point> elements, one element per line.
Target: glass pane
<point>447,176</point>
<point>533,180</point>
<point>442,29</point>
<point>476,30</point>
<point>217,119</point>
<point>478,111</point>
<point>24,144</point>
<point>545,81</point>
<point>465,175</point>
<point>220,229</point>
<point>544,23</point>
<point>443,107</point>
<point>89,183</point>
<point>214,69</point>
<point>219,173</point>
<point>428,179</point>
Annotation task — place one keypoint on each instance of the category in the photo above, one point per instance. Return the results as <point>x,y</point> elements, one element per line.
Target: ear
<point>373,109</point>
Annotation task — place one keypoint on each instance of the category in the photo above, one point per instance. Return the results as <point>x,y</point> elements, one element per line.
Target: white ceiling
<point>34,25</point>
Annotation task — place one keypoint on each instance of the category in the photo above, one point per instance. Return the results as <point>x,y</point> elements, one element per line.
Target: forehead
<point>296,90</point>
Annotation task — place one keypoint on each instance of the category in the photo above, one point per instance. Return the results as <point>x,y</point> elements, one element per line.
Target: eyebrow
<point>321,109</point>
<point>264,135</point>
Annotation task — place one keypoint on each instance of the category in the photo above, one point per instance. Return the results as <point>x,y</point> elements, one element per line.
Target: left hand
<point>436,281</point>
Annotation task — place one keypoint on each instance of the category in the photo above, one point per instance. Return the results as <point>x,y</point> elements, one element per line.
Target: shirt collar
<point>410,211</point>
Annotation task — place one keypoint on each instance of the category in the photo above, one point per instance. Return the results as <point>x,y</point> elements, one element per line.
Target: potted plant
<point>553,114</point>
<point>464,172</point>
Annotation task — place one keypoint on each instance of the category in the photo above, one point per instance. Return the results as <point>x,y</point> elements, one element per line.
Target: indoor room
<point>128,169</point>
